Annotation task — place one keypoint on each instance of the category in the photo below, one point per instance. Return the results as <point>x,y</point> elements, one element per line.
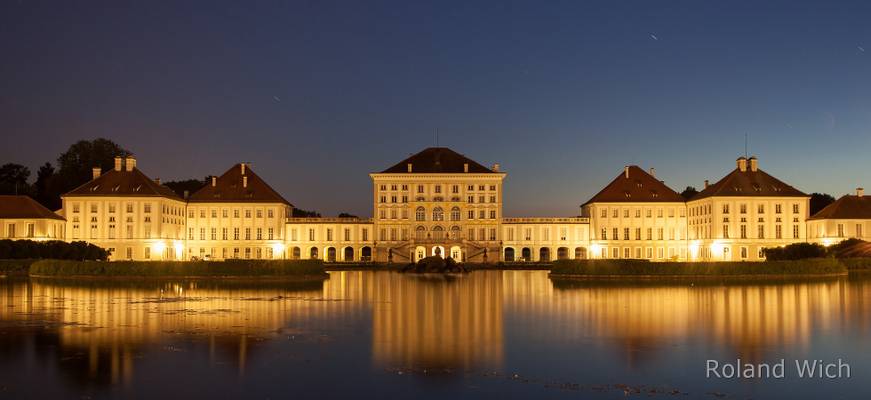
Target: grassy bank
<point>602,268</point>
<point>15,267</point>
<point>161,269</point>
<point>857,264</point>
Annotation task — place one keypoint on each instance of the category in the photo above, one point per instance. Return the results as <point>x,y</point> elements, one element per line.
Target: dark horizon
<point>562,95</point>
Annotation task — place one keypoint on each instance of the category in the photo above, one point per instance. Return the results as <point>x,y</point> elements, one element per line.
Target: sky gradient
<point>318,94</point>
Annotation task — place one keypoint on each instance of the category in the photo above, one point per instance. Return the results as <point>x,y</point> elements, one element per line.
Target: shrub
<point>179,268</point>
<point>795,251</point>
<point>712,268</point>
<point>850,248</point>
<point>54,249</point>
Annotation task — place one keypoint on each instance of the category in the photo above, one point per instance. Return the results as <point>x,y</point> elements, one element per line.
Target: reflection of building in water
<point>110,324</point>
<point>748,318</point>
<point>438,322</point>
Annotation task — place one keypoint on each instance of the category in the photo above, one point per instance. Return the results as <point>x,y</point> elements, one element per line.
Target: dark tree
<point>689,192</point>
<point>346,215</point>
<point>189,185</point>
<point>75,164</point>
<point>47,188</point>
<point>300,213</point>
<point>819,201</point>
<point>13,179</point>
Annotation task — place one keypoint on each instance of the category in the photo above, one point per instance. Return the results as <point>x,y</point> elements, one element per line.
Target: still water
<point>512,334</point>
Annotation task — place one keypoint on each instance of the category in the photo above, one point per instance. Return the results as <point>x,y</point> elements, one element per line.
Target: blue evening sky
<point>318,94</point>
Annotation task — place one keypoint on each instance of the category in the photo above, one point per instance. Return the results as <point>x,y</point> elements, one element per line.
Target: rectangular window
<point>625,233</point>
<point>761,232</point>
<point>795,231</point>
<point>795,208</point>
<point>223,233</point>
<point>235,233</point>
<point>259,233</point>
<point>214,234</point>
<point>311,235</point>
<point>329,234</point>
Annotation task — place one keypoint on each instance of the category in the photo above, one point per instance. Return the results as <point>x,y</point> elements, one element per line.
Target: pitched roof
<point>231,187</point>
<point>635,185</point>
<point>847,207</point>
<point>749,183</point>
<point>437,160</point>
<point>123,183</point>
<point>21,207</point>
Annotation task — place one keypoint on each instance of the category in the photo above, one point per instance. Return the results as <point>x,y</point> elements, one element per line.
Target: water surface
<point>512,334</point>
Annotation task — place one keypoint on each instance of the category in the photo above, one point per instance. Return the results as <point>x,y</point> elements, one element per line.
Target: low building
<point>848,217</point>
<point>23,218</point>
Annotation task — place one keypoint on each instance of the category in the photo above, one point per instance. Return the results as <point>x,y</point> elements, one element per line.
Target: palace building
<point>435,202</point>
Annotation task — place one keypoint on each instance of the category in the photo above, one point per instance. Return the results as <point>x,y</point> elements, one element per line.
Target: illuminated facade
<point>637,216</point>
<point>126,212</point>
<point>439,202</point>
<point>743,213</point>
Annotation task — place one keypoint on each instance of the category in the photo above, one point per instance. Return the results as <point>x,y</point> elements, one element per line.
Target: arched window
<point>438,214</point>
<point>420,214</point>
<point>438,233</point>
<point>455,214</point>
<point>455,232</point>
<point>420,233</point>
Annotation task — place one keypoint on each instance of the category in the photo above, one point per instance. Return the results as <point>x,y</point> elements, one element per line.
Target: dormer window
<point>116,188</point>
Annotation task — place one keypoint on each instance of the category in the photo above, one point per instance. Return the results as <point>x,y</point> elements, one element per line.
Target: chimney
<point>653,172</point>
<point>214,181</point>
<point>409,167</point>
<point>496,167</point>
<point>860,192</point>
<point>742,164</point>
<point>754,164</point>
<point>244,181</point>
<point>118,163</point>
<point>96,172</point>
<point>626,171</point>
<point>465,167</point>
<point>243,168</point>
<point>157,180</point>
<point>130,163</point>
<point>707,184</point>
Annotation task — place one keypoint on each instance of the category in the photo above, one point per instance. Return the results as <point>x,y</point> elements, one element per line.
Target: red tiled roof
<point>638,186</point>
<point>847,207</point>
<point>123,183</point>
<point>749,183</point>
<point>437,160</point>
<point>23,207</point>
<point>229,188</point>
